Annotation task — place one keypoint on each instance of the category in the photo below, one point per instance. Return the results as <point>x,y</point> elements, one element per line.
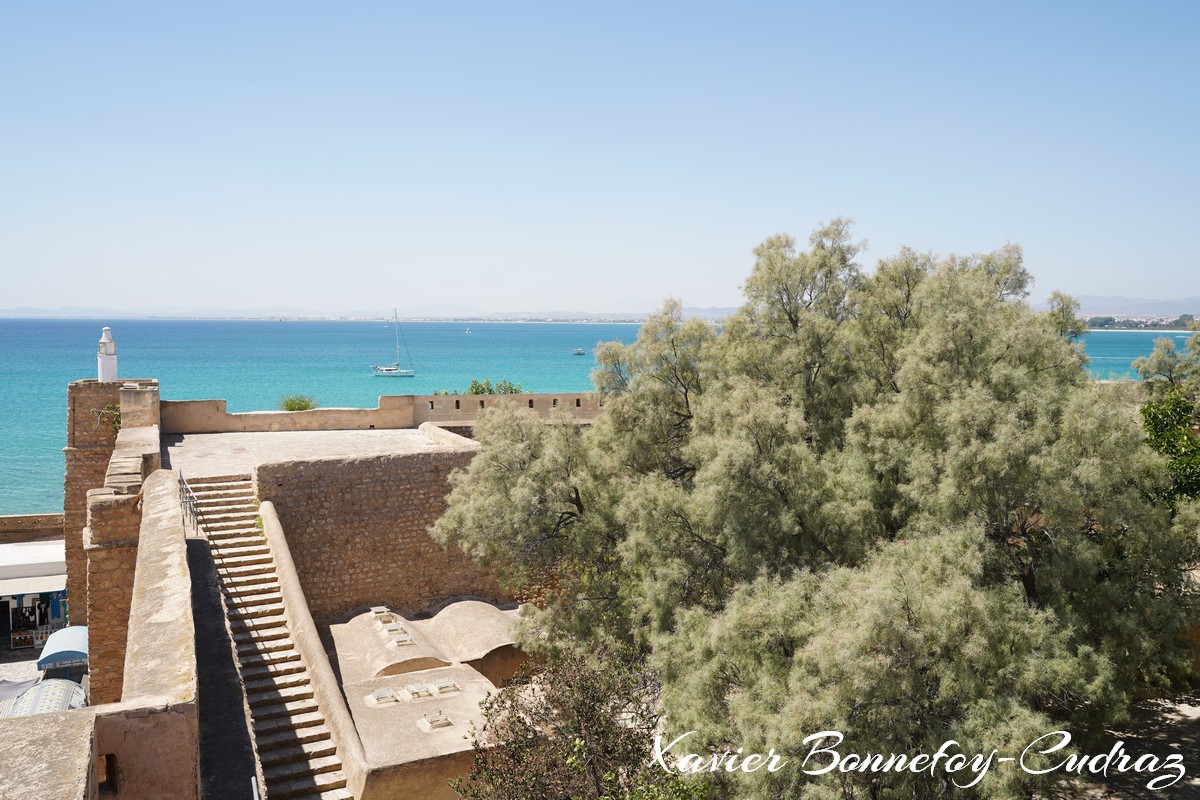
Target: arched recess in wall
<point>411,665</point>
<point>500,664</point>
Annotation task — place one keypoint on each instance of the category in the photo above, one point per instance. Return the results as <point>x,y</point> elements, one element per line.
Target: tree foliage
<point>573,730</point>
<point>485,386</point>
<point>891,503</point>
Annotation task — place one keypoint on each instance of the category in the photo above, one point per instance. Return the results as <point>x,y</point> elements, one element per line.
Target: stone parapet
<point>136,455</point>
<point>304,632</point>
<point>393,411</point>
<point>49,756</point>
<point>210,416</point>
<point>139,404</point>
<point>30,527</point>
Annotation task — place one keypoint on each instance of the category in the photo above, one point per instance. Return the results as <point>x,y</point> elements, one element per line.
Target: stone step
<point>301,772</point>
<point>277,683</point>
<point>239,571</point>
<point>256,625</point>
<point>251,674</point>
<point>304,715</point>
<point>233,491</point>
<point>245,599</point>
<point>213,532</point>
<point>290,738</point>
<point>209,480</point>
<point>237,542</point>
<point>240,559</point>
<point>262,641</point>
<point>249,612</point>
<point>301,751</point>
<point>228,514</point>
<point>220,505</point>
<point>257,594</point>
<point>224,525</point>
<point>287,694</point>
<point>257,659</point>
<point>281,788</point>
<point>227,531</point>
<point>336,794</point>
<point>235,583</point>
<point>216,538</point>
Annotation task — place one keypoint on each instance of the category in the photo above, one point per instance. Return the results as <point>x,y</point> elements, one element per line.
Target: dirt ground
<point>1161,728</point>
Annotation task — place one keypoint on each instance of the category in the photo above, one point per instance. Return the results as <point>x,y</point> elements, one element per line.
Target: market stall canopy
<point>46,697</point>
<point>65,648</point>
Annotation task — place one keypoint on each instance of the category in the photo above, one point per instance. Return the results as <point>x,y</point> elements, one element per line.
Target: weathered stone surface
<point>111,551</point>
<point>48,757</point>
<point>90,443</point>
<point>358,530</point>
<point>30,527</point>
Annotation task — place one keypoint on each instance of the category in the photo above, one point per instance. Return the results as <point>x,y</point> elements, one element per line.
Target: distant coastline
<point>1139,330</point>
<point>598,320</point>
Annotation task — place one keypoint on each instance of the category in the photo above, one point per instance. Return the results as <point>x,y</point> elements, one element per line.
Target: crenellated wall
<point>393,411</point>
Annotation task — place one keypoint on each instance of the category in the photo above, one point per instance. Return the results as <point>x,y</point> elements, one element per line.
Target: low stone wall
<point>358,530</point>
<point>427,779</point>
<point>151,736</point>
<point>210,416</point>
<point>153,733</point>
<point>136,455</point>
<point>49,756</point>
<point>30,527</point>
<point>393,411</point>
<point>304,633</point>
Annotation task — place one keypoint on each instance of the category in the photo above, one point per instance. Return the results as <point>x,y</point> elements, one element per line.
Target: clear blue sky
<point>602,156</point>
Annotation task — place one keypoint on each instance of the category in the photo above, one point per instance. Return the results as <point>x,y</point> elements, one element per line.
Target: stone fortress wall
<point>355,527</point>
<point>128,580</point>
<point>357,530</point>
<point>91,440</point>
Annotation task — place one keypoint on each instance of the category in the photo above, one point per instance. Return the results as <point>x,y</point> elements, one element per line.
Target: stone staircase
<point>299,760</point>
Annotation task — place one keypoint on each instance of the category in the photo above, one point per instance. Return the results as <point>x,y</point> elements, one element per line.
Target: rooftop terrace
<point>213,454</point>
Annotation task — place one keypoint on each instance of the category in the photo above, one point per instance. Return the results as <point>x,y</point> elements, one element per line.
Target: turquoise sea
<point>251,363</point>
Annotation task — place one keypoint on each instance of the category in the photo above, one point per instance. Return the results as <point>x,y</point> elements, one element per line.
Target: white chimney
<point>106,358</point>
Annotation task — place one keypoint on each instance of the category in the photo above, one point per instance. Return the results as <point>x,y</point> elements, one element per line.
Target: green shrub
<point>297,402</point>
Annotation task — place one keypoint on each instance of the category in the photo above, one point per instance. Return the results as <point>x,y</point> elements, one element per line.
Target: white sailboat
<point>394,370</point>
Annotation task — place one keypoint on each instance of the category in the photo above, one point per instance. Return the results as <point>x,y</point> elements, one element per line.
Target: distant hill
<point>1092,306</point>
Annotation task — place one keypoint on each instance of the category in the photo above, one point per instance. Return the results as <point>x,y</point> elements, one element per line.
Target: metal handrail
<point>193,512</point>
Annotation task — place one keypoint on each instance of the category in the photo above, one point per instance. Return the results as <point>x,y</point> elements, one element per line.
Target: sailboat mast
<point>396,332</point>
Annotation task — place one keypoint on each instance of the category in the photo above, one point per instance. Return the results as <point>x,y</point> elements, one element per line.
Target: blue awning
<point>64,648</point>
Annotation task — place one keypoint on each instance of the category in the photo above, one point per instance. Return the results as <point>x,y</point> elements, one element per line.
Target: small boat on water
<point>579,351</point>
<point>394,370</point>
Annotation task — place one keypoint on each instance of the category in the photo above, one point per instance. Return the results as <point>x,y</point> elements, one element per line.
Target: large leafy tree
<point>892,504</point>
